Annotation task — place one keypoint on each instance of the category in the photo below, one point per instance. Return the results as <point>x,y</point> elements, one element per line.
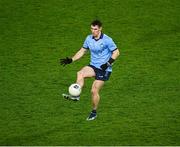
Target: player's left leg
<point>96,87</point>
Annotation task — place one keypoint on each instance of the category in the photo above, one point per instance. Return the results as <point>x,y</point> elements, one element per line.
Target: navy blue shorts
<point>100,74</point>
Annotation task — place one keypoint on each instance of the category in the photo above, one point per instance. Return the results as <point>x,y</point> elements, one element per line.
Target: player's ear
<point>100,28</point>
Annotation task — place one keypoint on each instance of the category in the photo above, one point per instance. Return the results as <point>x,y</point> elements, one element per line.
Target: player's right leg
<point>85,72</point>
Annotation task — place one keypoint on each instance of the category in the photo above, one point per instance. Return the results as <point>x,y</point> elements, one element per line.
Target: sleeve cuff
<point>114,50</point>
<point>85,48</point>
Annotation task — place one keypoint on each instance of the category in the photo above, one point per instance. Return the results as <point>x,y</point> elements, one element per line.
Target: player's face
<point>96,30</point>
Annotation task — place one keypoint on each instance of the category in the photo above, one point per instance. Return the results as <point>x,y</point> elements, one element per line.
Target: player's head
<point>96,27</point>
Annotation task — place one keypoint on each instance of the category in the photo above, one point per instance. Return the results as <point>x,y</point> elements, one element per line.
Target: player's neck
<point>98,36</point>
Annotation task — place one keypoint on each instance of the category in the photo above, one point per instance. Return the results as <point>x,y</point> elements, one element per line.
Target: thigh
<point>87,72</point>
<point>97,84</point>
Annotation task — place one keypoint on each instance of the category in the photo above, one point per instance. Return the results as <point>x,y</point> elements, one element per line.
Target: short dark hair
<point>96,22</point>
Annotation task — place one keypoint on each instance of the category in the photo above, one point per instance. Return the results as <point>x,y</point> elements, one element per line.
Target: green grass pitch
<point>139,104</point>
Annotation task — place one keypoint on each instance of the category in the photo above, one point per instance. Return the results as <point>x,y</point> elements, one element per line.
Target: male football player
<point>103,53</point>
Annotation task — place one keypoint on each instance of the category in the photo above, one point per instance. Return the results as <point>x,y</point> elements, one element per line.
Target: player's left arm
<point>114,56</point>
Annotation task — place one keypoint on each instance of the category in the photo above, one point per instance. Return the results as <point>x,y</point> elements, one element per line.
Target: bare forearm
<point>115,54</point>
<point>79,54</point>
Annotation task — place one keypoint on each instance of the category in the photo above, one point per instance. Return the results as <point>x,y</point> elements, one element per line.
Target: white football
<point>75,89</point>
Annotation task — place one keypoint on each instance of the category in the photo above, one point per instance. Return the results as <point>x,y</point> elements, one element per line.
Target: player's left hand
<point>107,64</point>
<point>104,66</point>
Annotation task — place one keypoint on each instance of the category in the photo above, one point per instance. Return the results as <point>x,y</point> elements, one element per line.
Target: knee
<point>94,91</point>
<point>80,74</point>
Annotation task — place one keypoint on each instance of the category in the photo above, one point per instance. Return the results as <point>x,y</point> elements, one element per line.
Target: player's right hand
<point>65,61</point>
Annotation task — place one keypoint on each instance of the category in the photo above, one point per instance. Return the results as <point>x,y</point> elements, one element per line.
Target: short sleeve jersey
<point>100,49</point>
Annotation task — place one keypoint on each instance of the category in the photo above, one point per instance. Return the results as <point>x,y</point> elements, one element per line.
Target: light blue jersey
<point>101,50</point>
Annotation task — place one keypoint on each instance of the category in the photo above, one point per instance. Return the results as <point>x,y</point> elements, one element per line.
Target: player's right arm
<point>77,56</point>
